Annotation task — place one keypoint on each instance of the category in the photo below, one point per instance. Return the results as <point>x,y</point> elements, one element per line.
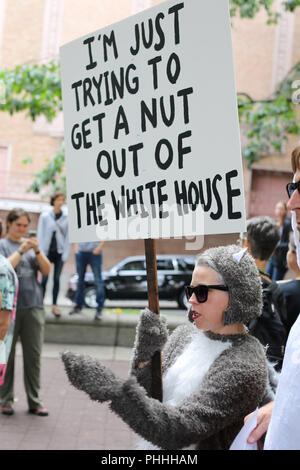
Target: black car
<point>127,280</point>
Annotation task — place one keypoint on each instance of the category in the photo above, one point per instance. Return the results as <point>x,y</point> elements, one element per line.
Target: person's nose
<point>294,201</point>
<point>193,299</point>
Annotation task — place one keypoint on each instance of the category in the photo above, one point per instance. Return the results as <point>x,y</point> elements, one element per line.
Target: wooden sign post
<point>151,131</point>
<point>153,302</point>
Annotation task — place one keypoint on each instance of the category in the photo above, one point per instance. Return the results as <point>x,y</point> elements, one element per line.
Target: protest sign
<point>151,126</point>
<point>151,131</point>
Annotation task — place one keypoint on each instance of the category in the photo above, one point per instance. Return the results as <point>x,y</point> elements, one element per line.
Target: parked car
<point>127,280</point>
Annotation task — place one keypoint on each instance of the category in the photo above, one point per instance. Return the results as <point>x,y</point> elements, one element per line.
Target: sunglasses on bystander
<point>290,188</point>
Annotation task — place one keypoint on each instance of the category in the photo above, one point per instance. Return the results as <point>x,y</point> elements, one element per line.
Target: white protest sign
<point>151,126</point>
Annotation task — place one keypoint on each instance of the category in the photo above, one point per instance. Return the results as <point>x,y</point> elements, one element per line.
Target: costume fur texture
<point>227,378</point>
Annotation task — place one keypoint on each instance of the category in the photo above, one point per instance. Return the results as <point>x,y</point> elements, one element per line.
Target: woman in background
<point>54,242</point>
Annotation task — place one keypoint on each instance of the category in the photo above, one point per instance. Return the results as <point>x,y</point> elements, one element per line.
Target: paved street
<point>74,422</point>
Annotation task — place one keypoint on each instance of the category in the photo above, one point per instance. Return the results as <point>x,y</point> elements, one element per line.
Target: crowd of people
<point>236,354</point>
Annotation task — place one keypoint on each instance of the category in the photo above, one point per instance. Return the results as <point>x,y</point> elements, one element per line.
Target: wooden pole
<point>153,302</point>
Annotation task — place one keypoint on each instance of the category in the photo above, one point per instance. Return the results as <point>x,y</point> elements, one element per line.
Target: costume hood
<point>240,275</point>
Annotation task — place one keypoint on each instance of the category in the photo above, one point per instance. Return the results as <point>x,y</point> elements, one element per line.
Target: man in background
<point>89,253</point>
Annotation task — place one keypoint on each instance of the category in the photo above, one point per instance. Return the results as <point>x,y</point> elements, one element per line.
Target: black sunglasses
<point>201,291</point>
<point>290,187</point>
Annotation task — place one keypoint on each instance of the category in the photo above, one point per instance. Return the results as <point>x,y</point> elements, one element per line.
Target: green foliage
<point>52,176</point>
<point>249,8</point>
<point>269,122</point>
<point>291,5</point>
<point>32,88</point>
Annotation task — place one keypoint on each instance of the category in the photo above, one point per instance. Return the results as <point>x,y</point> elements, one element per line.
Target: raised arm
<point>43,262</point>
<point>220,401</point>
<point>228,392</point>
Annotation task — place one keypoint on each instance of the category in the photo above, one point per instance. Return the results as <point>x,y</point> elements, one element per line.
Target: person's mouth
<point>195,315</point>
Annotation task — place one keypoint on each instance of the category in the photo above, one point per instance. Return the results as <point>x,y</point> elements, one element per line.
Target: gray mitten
<point>89,375</point>
<point>151,335</point>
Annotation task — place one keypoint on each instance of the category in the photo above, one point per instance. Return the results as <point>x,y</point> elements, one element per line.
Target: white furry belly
<point>184,377</point>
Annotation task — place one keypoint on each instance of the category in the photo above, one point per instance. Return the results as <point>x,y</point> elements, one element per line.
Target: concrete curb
<point>114,329</point>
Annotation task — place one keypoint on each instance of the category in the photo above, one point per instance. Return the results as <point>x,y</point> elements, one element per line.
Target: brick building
<point>31,31</point>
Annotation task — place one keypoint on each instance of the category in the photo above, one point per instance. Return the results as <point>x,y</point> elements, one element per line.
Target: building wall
<point>93,15</point>
<point>253,63</point>
<point>271,183</point>
<point>22,32</point>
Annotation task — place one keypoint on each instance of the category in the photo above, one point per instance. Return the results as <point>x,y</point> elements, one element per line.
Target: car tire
<point>90,297</point>
<point>182,300</point>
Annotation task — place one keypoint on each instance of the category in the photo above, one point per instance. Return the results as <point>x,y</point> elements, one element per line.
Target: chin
<point>200,326</point>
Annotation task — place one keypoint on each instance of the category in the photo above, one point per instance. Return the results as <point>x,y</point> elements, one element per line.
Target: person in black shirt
<point>277,265</point>
<point>270,328</point>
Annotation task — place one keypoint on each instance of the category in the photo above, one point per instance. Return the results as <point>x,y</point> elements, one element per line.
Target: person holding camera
<point>27,260</point>
<point>54,242</point>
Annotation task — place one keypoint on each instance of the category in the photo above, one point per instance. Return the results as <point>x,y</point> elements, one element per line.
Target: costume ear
<point>238,256</point>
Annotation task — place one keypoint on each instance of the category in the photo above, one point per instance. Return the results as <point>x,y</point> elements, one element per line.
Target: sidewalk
<point>116,328</point>
<point>74,422</point>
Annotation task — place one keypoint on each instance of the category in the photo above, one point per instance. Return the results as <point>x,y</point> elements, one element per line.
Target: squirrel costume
<point>210,381</point>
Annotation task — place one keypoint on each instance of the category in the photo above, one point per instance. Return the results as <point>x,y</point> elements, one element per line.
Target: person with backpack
<point>270,327</point>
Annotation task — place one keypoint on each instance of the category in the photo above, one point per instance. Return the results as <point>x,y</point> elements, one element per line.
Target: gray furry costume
<point>210,381</point>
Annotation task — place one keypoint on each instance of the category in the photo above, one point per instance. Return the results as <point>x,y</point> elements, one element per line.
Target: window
<point>137,265</point>
<point>186,264</point>
<point>165,264</point>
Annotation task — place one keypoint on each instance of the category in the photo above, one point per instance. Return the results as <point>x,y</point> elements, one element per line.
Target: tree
<point>32,88</point>
<point>53,175</point>
<point>249,8</point>
<point>268,123</point>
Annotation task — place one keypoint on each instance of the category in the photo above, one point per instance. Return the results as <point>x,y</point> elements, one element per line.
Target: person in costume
<point>213,370</point>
